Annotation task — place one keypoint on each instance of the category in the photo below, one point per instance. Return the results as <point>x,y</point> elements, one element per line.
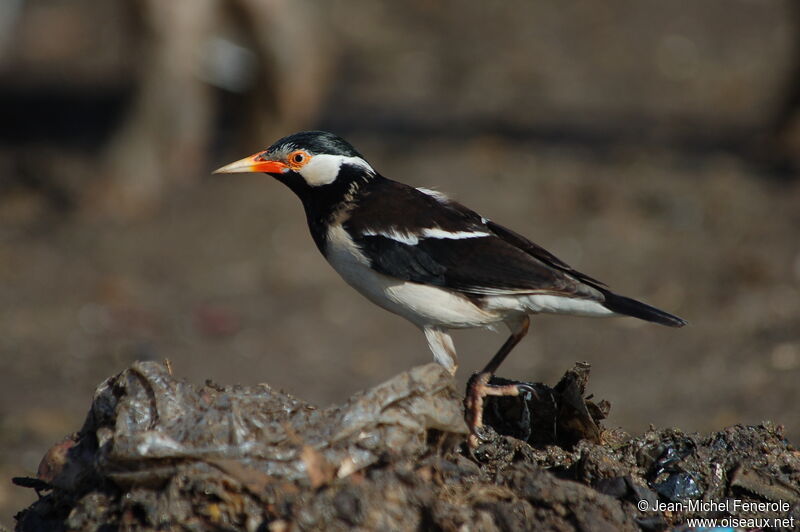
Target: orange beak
<point>254,163</point>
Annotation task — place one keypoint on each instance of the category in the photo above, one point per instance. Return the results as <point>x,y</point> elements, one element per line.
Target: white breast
<point>421,304</point>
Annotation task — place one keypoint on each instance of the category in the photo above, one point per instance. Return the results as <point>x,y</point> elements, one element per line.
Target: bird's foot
<point>478,388</point>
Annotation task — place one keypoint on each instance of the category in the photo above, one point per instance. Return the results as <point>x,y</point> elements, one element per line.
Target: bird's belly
<point>423,305</point>
<point>429,305</point>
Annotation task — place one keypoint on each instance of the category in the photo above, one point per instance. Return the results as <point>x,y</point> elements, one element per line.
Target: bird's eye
<point>298,158</point>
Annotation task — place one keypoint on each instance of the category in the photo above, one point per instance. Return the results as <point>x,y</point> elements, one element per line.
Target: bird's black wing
<point>537,251</point>
<point>423,237</point>
<point>483,265</point>
<point>468,253</point>
<point>615,302</point>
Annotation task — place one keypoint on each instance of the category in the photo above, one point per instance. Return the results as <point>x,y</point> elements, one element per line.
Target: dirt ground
<point>226,283</point>
<point>157,453</point>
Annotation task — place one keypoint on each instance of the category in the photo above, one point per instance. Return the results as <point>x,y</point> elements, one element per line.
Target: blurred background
<point>654,145</point>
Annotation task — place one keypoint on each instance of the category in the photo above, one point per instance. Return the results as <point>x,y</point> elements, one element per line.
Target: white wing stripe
<point>393,234</point>
<point>435,194</point>
<point>411,239</point>
<point>430,232</point>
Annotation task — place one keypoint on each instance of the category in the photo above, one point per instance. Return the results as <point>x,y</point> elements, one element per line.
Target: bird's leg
<point>478,386</point>
<point>441,344</point>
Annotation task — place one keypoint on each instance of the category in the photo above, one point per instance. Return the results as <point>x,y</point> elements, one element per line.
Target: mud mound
<point>156,453</point>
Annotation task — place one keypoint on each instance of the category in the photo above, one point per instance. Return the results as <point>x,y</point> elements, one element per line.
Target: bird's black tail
<point>637,309</point>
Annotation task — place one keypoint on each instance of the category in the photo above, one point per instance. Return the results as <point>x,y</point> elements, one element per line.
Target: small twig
<point>168,365</point>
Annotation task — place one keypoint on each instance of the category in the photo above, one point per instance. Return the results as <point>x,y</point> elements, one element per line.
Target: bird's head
<point>306,161</point>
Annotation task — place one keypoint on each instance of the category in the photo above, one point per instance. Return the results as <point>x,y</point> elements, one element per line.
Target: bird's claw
<point>527,391</point>
<point>478,388</point>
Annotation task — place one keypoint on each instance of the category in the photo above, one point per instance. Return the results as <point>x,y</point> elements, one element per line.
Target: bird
<point>431,260</point>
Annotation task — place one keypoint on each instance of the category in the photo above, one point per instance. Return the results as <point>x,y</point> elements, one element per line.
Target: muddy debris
<point>157,453</point>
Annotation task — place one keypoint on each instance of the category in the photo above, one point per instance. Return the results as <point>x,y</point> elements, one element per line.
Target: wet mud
<point>158,453</point>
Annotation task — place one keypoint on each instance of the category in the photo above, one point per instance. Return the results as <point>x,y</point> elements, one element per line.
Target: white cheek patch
<point>323,169</point>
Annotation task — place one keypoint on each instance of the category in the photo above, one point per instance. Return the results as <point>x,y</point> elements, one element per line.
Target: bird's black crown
<point>316,142</point>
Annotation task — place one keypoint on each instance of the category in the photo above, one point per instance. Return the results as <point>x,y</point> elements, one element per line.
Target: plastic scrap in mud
<point>144,425</point>
<point>156,453</point>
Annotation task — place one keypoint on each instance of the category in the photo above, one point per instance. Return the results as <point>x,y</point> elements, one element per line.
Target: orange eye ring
<point>297,159</point>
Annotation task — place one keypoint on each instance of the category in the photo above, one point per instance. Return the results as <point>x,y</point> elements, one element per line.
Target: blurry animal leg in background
<point>297,58</point>
<point>164,140</point>
<point>781,144</point>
